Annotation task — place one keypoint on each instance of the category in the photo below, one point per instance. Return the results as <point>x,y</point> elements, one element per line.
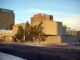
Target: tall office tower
<point>7,19</point>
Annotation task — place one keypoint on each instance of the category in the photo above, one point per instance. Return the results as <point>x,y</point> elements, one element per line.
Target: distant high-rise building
<point>7,19</point>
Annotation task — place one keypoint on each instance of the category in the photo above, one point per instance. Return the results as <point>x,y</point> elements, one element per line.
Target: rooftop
<point>5,10</point>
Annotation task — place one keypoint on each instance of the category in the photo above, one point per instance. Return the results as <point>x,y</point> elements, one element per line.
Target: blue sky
<point>66,11</point>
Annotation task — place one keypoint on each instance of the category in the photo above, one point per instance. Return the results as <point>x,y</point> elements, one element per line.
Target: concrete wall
<point>50,27</point>
<point>53,39</point>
